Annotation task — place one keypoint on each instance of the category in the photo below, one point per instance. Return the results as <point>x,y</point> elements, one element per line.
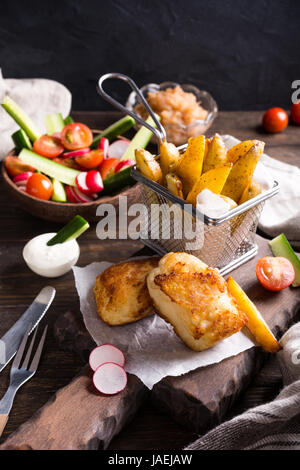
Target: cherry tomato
<point>91,160</point>
<point>15,167</point>
<point>76,136</point>
<point>275,120</point>
<point>40,186</point>
<point>295,113</point>
<point>107,167</point>
<point>275,273</point>
<point>48,146</point>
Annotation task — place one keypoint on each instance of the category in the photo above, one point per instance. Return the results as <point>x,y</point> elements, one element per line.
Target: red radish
<point>22,187</point>
<point>124,164</point>
<point>94,181</point>
<point>21,179</point>
<point>70,194</point>
<point>76,153</point>
<point>81,183</point>
<point>104,144</point>
<point>118,148</point>
<point>81,197</point>
<point>110,378</point>
<point>106,353</point>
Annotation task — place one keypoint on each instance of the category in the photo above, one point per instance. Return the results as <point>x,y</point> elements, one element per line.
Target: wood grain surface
<point>19,286</point>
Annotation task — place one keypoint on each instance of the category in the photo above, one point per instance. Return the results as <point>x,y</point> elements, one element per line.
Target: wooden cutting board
<point>79,418</point>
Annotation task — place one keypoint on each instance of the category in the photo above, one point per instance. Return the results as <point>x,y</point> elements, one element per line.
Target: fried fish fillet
<point>121,292</point>
<point>194,298</point>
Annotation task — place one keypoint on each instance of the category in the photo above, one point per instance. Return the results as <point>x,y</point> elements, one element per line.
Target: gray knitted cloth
<point>272,420</point>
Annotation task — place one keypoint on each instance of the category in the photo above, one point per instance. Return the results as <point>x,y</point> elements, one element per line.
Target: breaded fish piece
<point>121,292</point>
<point>194,298</point>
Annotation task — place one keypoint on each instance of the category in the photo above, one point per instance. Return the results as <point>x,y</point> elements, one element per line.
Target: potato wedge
<point>256,324</point>
<point>238,150</point>
<point>216,153</point>
<point>213,180</point>
<point>169,157</point>
<point>148,166</point>
<point>190,166</point>
<point>174,184</point>
<point>242,171</point>
<point>252,190</point>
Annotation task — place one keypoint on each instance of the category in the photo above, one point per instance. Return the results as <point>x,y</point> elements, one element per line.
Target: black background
<point>245,53</point>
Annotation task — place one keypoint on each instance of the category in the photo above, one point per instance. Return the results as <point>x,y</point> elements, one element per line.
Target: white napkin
<point>37,97</point>
<point>281,213</point>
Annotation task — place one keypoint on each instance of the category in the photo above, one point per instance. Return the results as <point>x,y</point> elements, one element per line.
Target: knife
<point>10,342</point>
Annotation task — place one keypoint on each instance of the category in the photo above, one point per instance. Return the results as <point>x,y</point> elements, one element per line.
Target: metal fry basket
<point>223,242</point>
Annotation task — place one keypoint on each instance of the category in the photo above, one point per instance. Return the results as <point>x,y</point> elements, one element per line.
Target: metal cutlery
<point>21,372</point>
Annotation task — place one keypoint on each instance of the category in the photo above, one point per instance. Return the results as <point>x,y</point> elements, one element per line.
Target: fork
<point>19,374</point>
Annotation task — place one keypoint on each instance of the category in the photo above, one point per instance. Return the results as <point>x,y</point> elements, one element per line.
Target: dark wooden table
<point>150,429</point>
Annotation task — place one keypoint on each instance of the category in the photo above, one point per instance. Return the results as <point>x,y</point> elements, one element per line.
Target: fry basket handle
<point>159,132</point>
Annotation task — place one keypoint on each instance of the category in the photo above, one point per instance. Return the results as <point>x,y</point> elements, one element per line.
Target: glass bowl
<point>178,133</point>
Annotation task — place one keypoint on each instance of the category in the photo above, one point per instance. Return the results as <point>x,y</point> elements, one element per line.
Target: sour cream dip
<point>50,261</point>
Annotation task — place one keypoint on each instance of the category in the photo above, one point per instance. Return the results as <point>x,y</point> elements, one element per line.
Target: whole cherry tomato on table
<point>48,146</point>
<point>39,186</point>
<point>15,167</point>
<point>76,136</point>
<point>275,120</point>
<point>295,113</point>
<point>275,273</point>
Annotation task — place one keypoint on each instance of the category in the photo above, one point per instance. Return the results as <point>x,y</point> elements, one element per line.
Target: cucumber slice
<point>54,123</point>
<point>21,140</point>
<point>21,118</point>
<point>72,230</point>
<point>118,181</point>
<point>140,140</point>
<point>68,120</point>
<point>117,128</point>
<point>280,247</point>
<point>59,193</point>
<point>45,165</point>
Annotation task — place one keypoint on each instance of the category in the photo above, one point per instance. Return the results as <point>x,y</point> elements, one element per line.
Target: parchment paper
<point>151,348</point>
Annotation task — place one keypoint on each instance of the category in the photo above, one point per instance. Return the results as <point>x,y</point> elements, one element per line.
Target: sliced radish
<point>106,353</point>
<point>124,164</point>
<point>22,178</point>
<point>94,181</point>
<point>81,197</point>
<point>81,183</point>
<point>22,187</point>
<point>110,378</point>
<point>104,145</point>
<point>118,148</point>
<point>76,153</point>
<point>70,194</point>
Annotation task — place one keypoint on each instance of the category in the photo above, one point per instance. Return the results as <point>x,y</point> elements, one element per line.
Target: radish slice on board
<point>124,164</point>
<point>94,181</point>
<point>21,179</point>
<point>104,144</point>
<point>106,353</point>
<point>118,148</point>
<point>76,153</point>
<point>110,378</point>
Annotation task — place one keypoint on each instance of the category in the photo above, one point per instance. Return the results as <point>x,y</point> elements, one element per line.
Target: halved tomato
<point>48,146</point>
<point>275,273</point>
<point>90,160</point>
<point>40,186</point>
<point>15,167</point>
<point>69,162</point>
<point>107,167</point>
<point>76,136</point>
